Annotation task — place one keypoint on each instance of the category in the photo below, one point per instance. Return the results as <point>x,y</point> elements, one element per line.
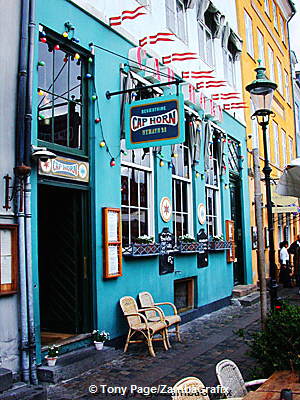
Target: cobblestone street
<point>205,341</point>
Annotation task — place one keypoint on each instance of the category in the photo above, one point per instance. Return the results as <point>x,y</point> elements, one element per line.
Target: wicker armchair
<point>189,388</point>
<point>231,378</point>
<point>146,301</point>
<point>138,323</point>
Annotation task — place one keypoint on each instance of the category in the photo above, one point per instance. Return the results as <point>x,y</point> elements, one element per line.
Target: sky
<point>295,33</point>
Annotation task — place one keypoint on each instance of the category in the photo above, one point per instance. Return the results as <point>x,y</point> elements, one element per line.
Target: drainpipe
<point>27,157</point>
<point>21,171</point>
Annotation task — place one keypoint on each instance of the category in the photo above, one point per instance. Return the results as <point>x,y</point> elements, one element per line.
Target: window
<point>275,18</point>
<point>182,191</point>
<point>287,87</point>
<point>283,146</point>
<point>144,2</point>
<point>282,29</point>
<point>8,259</point>
<point>249,34</point>
<point>267,7</point>
<point>212,189</point>
<point>279,72</point>
<point>184,294</point>
<point>175,15</point>
<point>205,39</point>
<point>136,193</point>
<point>271,63</point>
<point>261,46</point>
<point>276,144</point>
<point>254,125</point>
<point>297,116</point>
<point>291,146</point>
<point>62,93</point>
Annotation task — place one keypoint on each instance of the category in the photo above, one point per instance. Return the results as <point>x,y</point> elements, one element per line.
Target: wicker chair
<point>138,323</point>
<point>231,378</point>
<point>146,301</point>
<point>189,388</point>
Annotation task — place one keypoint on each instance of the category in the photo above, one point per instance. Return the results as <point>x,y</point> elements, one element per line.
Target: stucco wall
<point>9,32</point>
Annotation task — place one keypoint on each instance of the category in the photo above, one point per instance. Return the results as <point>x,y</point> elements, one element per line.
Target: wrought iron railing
<point>216,245</point>
<point>190,247</point>
<point>140,250</point>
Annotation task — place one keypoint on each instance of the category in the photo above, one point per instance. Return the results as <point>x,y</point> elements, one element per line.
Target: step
<point>249,299</point>
<point>6,379</point>
<point>75,362</point>
<point>243,290</point>
<point>25,392</point>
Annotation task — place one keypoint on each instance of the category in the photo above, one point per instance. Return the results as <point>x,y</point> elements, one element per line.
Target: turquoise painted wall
<point>212,283</point>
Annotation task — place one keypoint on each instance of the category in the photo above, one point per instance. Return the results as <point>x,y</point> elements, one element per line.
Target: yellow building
<point>263,26</point>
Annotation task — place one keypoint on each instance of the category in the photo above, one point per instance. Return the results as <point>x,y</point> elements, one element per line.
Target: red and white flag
<point>233,106</point>
<point>197,74</point>
<point>159,37</point>
<point>226,96</point>
<point>127,14</point>
<point>179,57</point>
<point>210,84</point>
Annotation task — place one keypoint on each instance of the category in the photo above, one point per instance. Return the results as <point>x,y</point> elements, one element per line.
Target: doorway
<point>236,216</point>
<point>64,272</point>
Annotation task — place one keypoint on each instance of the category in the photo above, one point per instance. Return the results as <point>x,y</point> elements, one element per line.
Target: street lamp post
<point>261,91</point>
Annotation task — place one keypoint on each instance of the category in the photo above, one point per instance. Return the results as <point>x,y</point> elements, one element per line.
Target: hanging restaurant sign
<point>154,122</point>
<point>66,168</point>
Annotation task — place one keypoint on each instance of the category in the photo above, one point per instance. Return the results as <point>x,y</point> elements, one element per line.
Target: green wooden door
<point>236,216</point>
<point>64,273</point>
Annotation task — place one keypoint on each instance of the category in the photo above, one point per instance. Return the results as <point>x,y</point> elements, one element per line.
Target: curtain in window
<point>194,138</point>
<point>126,83</point>
<point>208,134</point>
<point>220,150</point>
<point>202,6</point>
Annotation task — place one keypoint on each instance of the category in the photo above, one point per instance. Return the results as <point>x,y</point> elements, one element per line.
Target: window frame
<point>287,87</point>
<point>282,29</point>
<point>283,144</point>
<point>189,193</point>
<point>217,196</point>
<point>10,288</point>
<point>275,16</point>
<point>85,109</point>
<point>276,144</point>
<point>291,148</point>
<point>279,74</point>
<point>150,193</point>
<point>176,31</point>
<point>271,63</point>
<point>249,34</point>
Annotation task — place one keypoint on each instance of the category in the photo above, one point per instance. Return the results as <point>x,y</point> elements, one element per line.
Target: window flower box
<point>141,250</point>
<point>219,245</point>
<point>188,247</point>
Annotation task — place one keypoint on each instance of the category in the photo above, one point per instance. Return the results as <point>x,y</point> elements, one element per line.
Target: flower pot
<point>98,345</point>
<point>51,361</point>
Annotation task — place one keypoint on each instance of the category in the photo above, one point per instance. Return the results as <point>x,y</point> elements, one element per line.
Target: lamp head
<point>261,91</point>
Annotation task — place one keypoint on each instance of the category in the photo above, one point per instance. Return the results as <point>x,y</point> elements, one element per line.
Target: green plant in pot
<point>52,355</point>
<point>99,338</point>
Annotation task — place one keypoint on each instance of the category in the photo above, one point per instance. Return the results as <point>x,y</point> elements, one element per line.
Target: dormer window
<point>175,18</point>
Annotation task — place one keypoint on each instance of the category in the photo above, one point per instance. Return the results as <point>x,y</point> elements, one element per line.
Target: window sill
<point>219,246</point>
<point>141,250</point>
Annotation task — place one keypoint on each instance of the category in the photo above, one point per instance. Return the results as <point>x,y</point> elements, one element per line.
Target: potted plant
<point>99,338</point>
<point>187,243</point>
<point>52,355</point>
<point>217,242</point>
<point>144,246</point>
<point>144,239</point>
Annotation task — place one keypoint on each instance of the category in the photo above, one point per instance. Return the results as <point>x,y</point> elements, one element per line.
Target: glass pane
<point>124,186</point>
<point>134,223</point>
<point>184,186</point>
<point>134,188</point>
<point>209,49</point>
<point>144,222</point>
<point>143,189</point>
<point>45,125</point>
<point>201,41</point>
<point>125,226</point>
<point>60,122</point>
<point>180,21</point>
<point>185,229</point>
<point>75,79</point>
<point>186,161</point>
<point>128,155</point>
<point>75,121</point>
<point>45,72</point>
<point>60,85</point>
<point>179,225</point>
<point>178,195</point>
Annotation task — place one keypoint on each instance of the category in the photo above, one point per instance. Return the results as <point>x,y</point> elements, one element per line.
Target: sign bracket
<point>176,82</point>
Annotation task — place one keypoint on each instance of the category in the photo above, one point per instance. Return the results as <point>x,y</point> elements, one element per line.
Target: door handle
<point>84,267</point>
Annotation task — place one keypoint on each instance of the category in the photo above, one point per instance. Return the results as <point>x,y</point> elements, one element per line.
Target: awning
<point>289,182</point>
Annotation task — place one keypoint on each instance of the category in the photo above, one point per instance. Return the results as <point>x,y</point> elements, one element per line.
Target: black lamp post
<point>261,92</point>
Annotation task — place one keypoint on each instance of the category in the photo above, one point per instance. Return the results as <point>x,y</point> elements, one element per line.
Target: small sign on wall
<point>8,259</point>
<point>230,238</point>
<point>67,168</point>
<point>165,209</point>
<point>112,243</point>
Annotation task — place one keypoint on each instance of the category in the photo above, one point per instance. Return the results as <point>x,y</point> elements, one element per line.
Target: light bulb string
<point>101,126</point>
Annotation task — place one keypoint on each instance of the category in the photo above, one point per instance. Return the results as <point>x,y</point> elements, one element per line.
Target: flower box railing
<point>141,250</point>
<point>190,247</point>
<point>218,245</point>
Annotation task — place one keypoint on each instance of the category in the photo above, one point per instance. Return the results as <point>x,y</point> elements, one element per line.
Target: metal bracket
<point>176,82</point>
